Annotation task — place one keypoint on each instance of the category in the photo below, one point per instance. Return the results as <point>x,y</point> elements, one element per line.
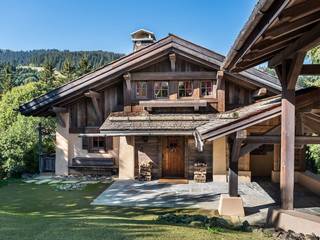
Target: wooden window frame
<point>185,89</point>
<point>87,144</point>
<point>206,88</point>
<point>161,89</point>
<point>141,88</point>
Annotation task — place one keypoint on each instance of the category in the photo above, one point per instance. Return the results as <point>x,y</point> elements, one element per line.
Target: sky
<point>107,24</point>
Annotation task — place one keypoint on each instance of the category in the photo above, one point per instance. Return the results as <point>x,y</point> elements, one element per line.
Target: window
<point>185,89</point>
<point>161,89</point>
<point>141,89</point>
<point>206,88</point>
<point>98,143</point>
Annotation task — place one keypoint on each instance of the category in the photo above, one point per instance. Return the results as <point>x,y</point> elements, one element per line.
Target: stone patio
<point>257,196</point>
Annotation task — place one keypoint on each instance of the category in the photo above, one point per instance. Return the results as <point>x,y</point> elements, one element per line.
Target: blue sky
<point>106,25</point>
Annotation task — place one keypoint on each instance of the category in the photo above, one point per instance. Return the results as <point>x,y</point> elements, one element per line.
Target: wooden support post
<point>172,58</point>
<point>221,91</point>
<point>276,157</point>
<point>233,162</point>
<point>127,92</point>
<point>287,148</point>
<point>288,64</point>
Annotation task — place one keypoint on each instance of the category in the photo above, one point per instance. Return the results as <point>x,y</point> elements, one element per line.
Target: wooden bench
<point>96,165</point>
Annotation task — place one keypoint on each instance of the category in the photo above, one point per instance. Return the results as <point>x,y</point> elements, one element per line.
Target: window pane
<point>141,89</point>
<point>161,89</point>
<point>185,88</point>
<point>206,88</point>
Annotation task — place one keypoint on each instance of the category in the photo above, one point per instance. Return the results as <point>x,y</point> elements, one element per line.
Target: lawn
<point>30,211</point>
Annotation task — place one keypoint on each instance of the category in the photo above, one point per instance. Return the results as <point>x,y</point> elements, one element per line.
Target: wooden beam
<point>94,98</point>
<point>249,147</point>
<point>59,109</point>
<point>294,70</point>
<point>287,27</point>
<point>299,10</point>
<point>165,76</point>
<point>239,137</point>
<point>259,93</point>
<point>172,58</point>
<point>221,91</point>
<point>127,78</point>
<point>59,112</point>
<point>266,20</point>
<point>310,69</point>
<point>302,45</point>
<point>312,116</point>
<point>276,139</point>
<point>91,93</point>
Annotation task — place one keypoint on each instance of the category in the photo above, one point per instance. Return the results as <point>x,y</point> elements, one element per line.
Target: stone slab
<point>299,222</point>
<point>230,206</point>
<point>54,181</point>
<point>90,182</point>
<point>69,181</point>
<point>30,181</point>
<point>42,181</point>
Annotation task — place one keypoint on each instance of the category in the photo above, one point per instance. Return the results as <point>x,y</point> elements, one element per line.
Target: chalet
<point>167,104</point>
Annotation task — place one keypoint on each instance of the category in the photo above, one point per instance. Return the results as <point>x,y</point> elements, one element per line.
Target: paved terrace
<point>257,197</point>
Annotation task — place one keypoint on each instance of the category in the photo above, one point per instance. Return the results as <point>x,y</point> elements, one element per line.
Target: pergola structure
<point>280,32</point>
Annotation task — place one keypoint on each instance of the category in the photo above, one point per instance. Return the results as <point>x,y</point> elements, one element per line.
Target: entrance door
<point>173,157</point>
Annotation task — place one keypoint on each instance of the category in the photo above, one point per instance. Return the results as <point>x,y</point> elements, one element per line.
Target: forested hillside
<point>57,58</point>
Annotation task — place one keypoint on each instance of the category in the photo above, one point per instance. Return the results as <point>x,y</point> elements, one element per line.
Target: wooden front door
<point>173,157</point>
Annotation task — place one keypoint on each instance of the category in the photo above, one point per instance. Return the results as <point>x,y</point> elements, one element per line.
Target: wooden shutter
<point>109,143</point>
<point>85,143</point>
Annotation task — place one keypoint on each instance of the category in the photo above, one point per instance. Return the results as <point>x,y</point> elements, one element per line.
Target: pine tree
<point>84,66</point>
<point>47,74</point>
<point>68,69</point>
<point>6,78</point>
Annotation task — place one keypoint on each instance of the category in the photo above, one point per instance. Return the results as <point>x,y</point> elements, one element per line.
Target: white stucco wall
<point>62,133</point>
<point>126,158</point>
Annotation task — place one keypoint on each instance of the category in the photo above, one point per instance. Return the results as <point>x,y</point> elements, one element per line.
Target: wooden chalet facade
<point>154,105</point>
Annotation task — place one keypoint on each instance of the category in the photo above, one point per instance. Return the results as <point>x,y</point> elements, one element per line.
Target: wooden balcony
<point>174,103</point>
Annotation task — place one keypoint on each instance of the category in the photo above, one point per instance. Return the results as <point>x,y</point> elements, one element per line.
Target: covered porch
<point>280,33</point>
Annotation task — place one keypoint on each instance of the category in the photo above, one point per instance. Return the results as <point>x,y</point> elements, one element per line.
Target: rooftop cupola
<point>142,38</point>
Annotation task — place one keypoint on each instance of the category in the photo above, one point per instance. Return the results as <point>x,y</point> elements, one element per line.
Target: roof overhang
<point>273,27</point>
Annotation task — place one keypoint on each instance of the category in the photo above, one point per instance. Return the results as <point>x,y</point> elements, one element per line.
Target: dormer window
<point>185,88</point>
<point>141,89</point>
<point>206,88</point>
<point>161,89</point>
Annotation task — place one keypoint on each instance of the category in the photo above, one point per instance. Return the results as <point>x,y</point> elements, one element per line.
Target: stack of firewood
<point>200,172</point>
<point>145,171</point>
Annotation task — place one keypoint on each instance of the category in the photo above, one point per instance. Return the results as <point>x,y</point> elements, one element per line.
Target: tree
<point>18,134</point>
<point>47,74</point>
<point>313,151</point>
<point>84,66</point>
<point>6,78</point>
<point>68,69</point>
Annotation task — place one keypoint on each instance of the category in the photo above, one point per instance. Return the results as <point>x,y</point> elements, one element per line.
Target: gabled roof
<point>108,74</point>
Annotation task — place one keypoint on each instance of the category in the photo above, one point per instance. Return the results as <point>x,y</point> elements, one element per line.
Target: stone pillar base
<point>231,206</point>
<point>219,178</point>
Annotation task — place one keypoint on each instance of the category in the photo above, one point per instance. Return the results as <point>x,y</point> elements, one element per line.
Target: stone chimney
<point>142,38</point>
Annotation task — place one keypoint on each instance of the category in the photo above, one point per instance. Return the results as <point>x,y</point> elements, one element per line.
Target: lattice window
<point>185,88</point>
<point>161,89</point>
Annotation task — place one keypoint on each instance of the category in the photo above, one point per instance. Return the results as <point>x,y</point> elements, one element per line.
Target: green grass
<point>30,211</point>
